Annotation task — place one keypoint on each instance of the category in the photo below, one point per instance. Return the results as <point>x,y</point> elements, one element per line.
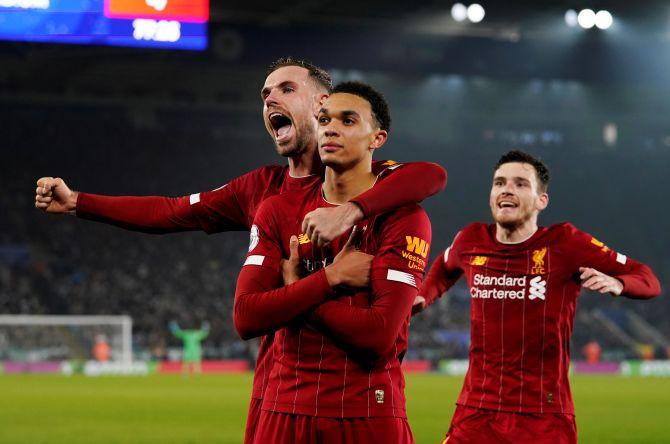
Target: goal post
<point>32,331</point>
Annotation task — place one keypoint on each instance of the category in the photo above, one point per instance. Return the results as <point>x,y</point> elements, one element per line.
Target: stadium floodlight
<point>571,18</point>
<point>459,12</point>
<point>476,13</point>
<point>586,18</point>
<point>604,19</point>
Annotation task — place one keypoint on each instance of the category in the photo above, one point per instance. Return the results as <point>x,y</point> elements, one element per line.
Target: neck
<point>517,234</point>
<point>305,164</point>
<point>340,187</point>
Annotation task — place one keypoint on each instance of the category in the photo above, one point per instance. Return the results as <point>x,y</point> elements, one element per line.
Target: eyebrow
<point>265,91</point>
<point>523,179</point>
<point>345,113</point>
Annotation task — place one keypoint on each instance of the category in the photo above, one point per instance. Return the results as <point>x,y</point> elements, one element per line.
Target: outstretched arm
<point>223,209</point>
<point>399,185</point>
<point>606,271</point>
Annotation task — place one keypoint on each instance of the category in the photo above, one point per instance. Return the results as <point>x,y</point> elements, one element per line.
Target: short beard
<point>513,224</point>
<point>302,144</point>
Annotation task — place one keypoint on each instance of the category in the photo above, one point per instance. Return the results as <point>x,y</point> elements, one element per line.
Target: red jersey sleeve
<point>639,281</point>
<point>401,184</point>
<point>444,273</point>
<point>397,270</point>
<point>225,209</point>
<point>262,304</point>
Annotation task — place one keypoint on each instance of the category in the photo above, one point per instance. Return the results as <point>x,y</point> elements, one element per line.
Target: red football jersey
<point>523,299</point>
<point>233,207</point>
<point>336,353</point>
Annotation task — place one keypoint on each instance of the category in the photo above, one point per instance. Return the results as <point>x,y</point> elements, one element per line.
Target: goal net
<point>34,338</point>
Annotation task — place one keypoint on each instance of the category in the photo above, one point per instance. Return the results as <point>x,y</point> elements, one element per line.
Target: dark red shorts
<point>252,420</point>
<point>475,426</point>
<point>284,428</point>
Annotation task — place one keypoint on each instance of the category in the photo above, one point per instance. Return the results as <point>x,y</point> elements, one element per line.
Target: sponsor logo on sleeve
<point>253,238</point>
<point>194,198</point>
<point>379,396</point>
<point>538,261</point>
<point>416,253</point>
<point>417,245</point>
<point>600,245</point>
<point>621,258</point>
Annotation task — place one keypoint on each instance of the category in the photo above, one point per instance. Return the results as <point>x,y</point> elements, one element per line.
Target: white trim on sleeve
<point>401,276</point>
<point>254,259</point>
<point>194,198</point>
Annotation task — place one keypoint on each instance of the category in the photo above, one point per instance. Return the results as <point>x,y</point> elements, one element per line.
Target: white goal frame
<point>126,323</point>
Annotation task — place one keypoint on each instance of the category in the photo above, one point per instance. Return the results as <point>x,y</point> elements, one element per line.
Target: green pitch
<point>212,408</point>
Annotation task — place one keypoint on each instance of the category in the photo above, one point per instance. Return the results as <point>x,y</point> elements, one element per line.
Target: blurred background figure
<point>101,349</point>
<point>192,349</point>
<point>591,352</point>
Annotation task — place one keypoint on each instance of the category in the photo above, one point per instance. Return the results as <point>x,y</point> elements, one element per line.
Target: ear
<point>380,137</point>
<point>542,201</point>
<point>319,100</point>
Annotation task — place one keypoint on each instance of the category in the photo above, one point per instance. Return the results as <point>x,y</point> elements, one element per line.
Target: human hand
<point>594,280</point>
<point>290,267</point>
<point>350,267</point>
<point>325,224</point>
<point>52,195</point>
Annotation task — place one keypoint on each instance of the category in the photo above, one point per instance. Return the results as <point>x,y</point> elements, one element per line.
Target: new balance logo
<point>303,239</point>
<point>538,288</point>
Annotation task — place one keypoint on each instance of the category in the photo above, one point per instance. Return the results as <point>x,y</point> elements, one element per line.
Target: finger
<point>587,273</point>
<point>590,282</point>
<point>419,304</point>
<point>599,286</point>
<point>43,199</point>
<point>42,180</point>
<point>305,223</point>
<point>354,238</point>
<point>293,249</point>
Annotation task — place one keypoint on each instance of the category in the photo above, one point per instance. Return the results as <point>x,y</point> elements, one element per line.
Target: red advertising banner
<point>187,11</point>
<point>225,366</point>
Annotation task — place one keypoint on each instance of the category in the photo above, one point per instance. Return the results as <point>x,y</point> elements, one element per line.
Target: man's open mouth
<point>507,204</point>
<point>281,124</point>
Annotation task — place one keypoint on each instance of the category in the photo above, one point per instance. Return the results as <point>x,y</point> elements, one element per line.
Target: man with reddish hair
<point>524,281</point>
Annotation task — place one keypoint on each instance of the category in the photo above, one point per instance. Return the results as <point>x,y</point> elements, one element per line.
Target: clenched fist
<point>52,195</point>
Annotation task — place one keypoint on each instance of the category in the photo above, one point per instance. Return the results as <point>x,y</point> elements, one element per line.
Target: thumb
<point>354,238</point>
<point>293,248</point>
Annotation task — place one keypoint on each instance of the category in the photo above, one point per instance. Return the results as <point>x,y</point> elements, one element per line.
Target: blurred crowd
<point>62,265</point>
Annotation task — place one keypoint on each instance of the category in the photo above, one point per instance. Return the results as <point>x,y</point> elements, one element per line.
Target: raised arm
<point>399,185</point>
<point>224,209</point>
